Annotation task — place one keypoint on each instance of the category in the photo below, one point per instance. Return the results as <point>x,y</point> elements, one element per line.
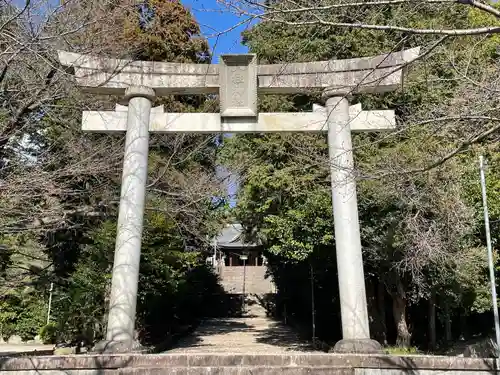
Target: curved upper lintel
<point>345,65</point>
<point>112,76</point>
<point>110,65</point>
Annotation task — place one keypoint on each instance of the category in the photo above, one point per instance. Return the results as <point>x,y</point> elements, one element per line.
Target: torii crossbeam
<point>161,122</point>
<point>238,79</point>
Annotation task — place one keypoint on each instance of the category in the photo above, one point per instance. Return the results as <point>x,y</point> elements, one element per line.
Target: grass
<point>396,350</point>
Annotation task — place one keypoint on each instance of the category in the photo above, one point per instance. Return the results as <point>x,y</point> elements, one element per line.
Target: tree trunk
<point>372,308</point>
<point>432,322</point>
<point>447,323</point>
<point>381,312</point>
<point>399,310</point>
<point>313,308</point>
<point>464,332</point>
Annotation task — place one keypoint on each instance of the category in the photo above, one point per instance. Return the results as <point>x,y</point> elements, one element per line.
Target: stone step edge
<point>177,367</point>
<point>115,362</point>
<point>236,370</point>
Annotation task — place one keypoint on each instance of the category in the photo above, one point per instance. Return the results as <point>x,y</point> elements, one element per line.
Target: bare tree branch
<point>301,9</point>
<point>315,14</point>
<point>482,6</point>
<point>448,32</point>
<point>462,147</point>
<point>16,16</point>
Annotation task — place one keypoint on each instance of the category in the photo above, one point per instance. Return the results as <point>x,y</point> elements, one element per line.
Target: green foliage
<point>31,318</point>
<point>22,313</point>
<point>64,204</point>
<point>23,272</point>
<point>280,196</point>
<point>175,287</point>
<point>420,231</point>
<point>489,45</point>
<point>8,317</point>
<point>48,333</point>
<point>397,350</point>
<point>297,231</point>
<point>79,306</point>
<point>171,34</point>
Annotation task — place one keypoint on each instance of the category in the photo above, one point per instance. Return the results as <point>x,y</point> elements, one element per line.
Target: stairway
<point>242,335</point>
<point>246,364</point>
<point>252,333</point>
<point>254,307</point>
<point>178,364</point>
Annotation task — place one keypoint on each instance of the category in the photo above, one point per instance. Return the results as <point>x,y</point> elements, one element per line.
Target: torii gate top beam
<point>112,76</point>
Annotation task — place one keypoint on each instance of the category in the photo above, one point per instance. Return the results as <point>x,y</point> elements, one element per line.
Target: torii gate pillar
<point>353,306</point>
<point>125,279</point>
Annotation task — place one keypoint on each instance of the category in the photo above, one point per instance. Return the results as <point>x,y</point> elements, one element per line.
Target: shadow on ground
<point>259,334</point>
<point>283,336</point>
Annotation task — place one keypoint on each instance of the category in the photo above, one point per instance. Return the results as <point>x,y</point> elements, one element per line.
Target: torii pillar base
<point>118,347</point>
<point>361,346</point>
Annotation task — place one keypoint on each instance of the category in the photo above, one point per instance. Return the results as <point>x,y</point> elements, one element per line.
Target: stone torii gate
<point>237,79</point>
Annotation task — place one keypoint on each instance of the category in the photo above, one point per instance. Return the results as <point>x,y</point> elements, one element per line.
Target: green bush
<point>48,333</point>
<point>7,330</point>
<point>31,318</point>
<point>396,350</point>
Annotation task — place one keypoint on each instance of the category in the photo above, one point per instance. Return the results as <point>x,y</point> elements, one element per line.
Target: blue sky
<point>214,19</point>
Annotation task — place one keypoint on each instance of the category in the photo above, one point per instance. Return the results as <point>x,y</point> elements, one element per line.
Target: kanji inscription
<point>238,86</point>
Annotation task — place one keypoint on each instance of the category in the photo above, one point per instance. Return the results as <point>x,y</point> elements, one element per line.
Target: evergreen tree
<point>419,230</point>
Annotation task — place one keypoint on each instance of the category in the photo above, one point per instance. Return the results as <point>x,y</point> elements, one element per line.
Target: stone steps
<point>240,370</point>
<point>192,371</point>
<point>254,332</point>
<point>246,364</point>
<point>242,335</point>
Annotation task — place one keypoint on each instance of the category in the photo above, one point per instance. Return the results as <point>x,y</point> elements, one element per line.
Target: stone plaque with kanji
<point>238,85</point>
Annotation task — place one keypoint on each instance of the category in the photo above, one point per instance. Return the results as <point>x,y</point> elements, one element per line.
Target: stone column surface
<point>354,314</point>
<point>125,278</point>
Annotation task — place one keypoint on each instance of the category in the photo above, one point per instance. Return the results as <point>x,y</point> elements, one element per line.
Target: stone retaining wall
<point>255,280</point>
<point>231,364</point>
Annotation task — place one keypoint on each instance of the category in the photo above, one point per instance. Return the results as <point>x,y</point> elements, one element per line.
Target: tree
<point>36,183</point>
<point>375,26</point>
<point>419,227</point>
<point>60,188</point>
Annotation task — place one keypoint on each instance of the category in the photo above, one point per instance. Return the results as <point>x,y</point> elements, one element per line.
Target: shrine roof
<point>231,237</point>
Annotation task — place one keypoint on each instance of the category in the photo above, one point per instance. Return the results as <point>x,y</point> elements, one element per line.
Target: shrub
<point>396,350</point>
<point>48,333</point>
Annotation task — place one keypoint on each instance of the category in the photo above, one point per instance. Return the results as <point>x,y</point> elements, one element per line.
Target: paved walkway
<point>241,335</point>
<point>254,333</point>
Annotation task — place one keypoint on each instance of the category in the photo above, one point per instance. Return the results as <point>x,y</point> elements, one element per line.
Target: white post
<point>354,314</point>
<point>124,285</point>
<point>50,302</point>
<point>490,256</point>
<point>214,262</point>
